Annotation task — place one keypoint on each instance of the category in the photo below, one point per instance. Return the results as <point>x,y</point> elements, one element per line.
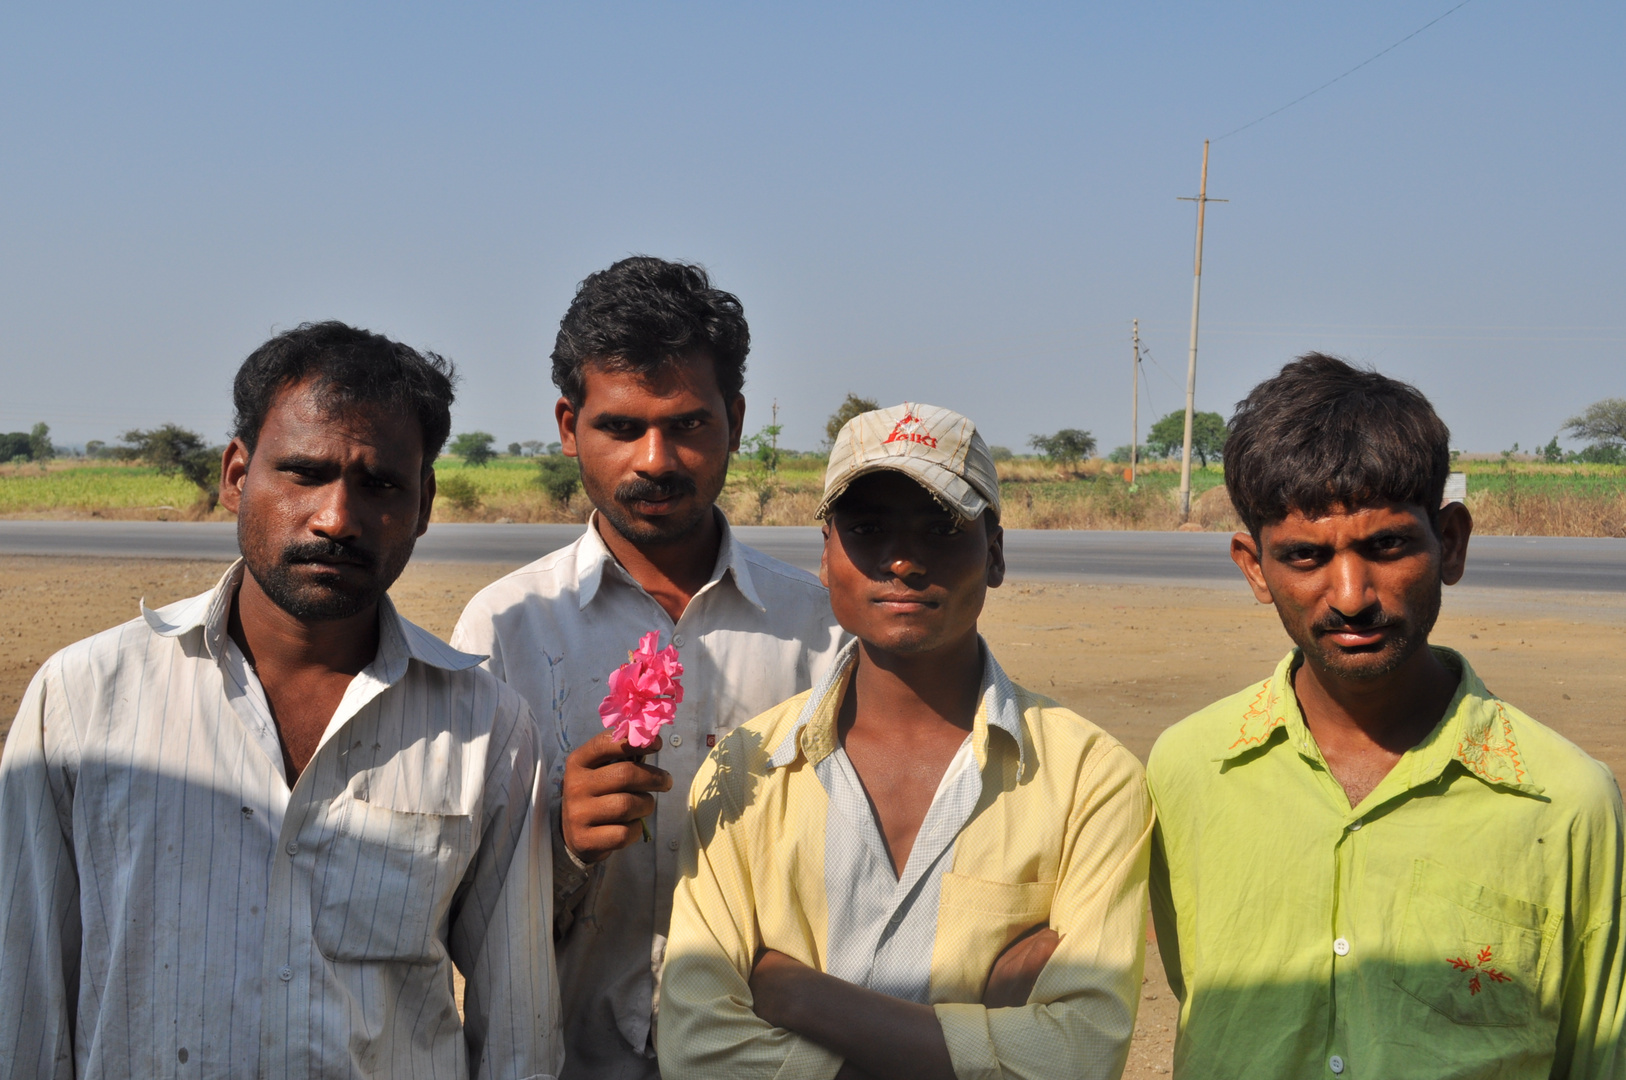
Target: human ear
<point>426,501</point>
<point>565,413</point>
<point>996,552</point>
<point>1245,553</point>
<point>233,474</point>
<point>736,423</point>
<point>824,557</point>
<point>1456,524</point>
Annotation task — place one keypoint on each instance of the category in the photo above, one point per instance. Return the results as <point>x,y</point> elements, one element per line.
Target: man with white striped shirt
<point>251,834</point>
<point>650,360</point>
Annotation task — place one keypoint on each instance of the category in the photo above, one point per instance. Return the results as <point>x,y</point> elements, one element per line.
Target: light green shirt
<point>1462,921</point>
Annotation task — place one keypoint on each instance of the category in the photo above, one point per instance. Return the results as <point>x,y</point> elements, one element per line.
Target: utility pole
<point>774,427</point>
<point>1134,408</point>
<point>1202,200</point>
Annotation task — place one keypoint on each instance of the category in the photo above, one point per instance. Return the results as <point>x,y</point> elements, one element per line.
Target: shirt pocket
<point>976,920</point>
<point>384,881</point>
<point>1469,952</point>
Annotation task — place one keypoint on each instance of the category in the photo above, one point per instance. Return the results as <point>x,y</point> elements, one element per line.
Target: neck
<point>919,688</point>
<point>1395,711</point>
<point>683,566</point>
<point>276,641</point>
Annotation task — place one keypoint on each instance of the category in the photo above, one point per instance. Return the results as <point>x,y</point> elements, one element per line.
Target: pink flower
<point>644,692</point>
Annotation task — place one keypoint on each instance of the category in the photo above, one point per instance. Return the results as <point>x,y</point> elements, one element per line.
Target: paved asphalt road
<point>1554,563</point>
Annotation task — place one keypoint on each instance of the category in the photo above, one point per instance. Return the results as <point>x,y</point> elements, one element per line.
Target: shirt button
<point>293,847</point>
<point>677,639</point>
<point>677,740</point>
<point>671,845</point>
<point>1355,826</point>
<point>1336,1064</point>
<point>285,974</point>
<point>1341,947</point>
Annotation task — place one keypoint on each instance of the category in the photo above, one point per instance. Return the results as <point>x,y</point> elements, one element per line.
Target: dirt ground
<point>1132,658</point>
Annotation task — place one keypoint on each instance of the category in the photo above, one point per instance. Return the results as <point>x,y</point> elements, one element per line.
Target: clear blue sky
<point>961,204</point>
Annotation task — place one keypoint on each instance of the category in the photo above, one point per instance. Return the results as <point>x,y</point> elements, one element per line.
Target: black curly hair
<point>1322,435</point>
<point>643,313</point>
<point>351,367</point>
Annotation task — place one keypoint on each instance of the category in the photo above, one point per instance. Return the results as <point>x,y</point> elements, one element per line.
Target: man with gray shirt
<point>650,360</point>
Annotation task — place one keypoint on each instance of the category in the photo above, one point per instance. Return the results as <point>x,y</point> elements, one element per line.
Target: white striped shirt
<point>757,633</point>
<point>169,907</point>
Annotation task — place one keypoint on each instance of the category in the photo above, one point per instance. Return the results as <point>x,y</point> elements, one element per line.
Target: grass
<point>1514,497</point>
<point>75,488</point>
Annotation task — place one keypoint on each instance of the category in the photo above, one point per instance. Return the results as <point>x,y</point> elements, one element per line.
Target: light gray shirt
<point>170,907</point>
<point>758,632</point>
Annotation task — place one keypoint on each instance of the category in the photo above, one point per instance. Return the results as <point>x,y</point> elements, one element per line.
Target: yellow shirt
<point>1059,834</point>
<point>1462,921</point>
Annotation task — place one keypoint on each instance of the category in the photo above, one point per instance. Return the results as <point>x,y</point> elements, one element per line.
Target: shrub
<point>559,476</point>
<point>458,490</point>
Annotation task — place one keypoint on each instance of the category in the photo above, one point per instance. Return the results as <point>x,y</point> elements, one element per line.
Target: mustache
<point>642,489</point>
<point>1373,618</point>
<point>328,551</point>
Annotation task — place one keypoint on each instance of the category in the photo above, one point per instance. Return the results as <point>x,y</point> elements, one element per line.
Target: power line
<point>1346,74</point>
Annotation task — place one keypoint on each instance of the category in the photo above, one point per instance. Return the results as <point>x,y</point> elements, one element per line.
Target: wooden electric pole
<point>1202,200</point>
<point>1134,408</point>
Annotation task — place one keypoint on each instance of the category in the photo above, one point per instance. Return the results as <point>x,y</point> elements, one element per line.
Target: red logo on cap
<point>914,432</point>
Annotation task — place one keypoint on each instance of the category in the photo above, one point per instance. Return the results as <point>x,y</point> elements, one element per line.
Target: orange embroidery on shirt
<point>1260,707</point>
<point>1493,753</point>
<point>1478,968</point>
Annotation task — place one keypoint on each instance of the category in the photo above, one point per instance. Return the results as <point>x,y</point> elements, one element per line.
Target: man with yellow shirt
<point>917,868</point>
<point>1367,864</point>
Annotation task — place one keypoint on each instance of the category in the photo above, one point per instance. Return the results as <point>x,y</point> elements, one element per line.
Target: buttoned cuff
<point>970,1043</point>
<point>808,1060</point>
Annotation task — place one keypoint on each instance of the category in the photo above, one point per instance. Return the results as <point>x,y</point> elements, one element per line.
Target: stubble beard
<point>1399,648</point>
<point>309,601</point>
<point>670,529</point>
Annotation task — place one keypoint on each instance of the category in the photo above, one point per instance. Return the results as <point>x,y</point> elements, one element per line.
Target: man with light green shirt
<point>1367,864</point>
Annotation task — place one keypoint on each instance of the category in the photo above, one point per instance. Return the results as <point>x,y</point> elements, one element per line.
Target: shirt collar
<point>1477,731</point>
<point>593,559</point>
<point>398,640</point>
<point>814,733</point>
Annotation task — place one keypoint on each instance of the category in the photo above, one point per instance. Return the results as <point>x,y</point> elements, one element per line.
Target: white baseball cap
<point>937,448</point>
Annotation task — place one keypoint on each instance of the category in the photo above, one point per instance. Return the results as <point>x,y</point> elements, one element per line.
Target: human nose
<point>1350,588</point>
<point>334,517</point>
<point>657,455</point>
<point>901,559</point>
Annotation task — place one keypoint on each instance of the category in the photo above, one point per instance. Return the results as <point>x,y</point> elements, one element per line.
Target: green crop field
<point>81,488</point>
<point>1528,498</point>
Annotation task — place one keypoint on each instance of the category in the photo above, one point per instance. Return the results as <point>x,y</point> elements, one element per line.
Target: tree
<point>559,476</point>
<point>173,450</point>
<point>1000,453</point>
<point>474,447</point>
<point>95,448</point>
<point>851,406</point>
<point>1067,447</point>
<point>764,446</point>
<point>1603,423</point>
<point>1208,434</point>
<point>39,443</point>
<point>14,447</point>
<point>515,449</point>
